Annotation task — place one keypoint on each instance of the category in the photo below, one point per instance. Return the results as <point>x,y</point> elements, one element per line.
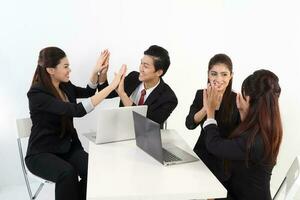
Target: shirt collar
<point>149,90</point>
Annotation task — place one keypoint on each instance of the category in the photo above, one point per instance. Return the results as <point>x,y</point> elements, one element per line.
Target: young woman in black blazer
<point>219,74</point>
<point>253,147</point>
<point>54,150</point>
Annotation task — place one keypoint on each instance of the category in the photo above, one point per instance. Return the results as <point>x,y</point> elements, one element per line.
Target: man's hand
<point>118,77</point>
<point>102,65</point>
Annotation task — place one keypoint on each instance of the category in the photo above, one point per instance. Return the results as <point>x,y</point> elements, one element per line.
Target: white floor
<point>19,192</point>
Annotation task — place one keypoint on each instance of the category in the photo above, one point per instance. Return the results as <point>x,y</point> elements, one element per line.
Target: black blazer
<point>46,112</point>
<point>216,165</point>
<point>161,102</point>
<point>246,182</point>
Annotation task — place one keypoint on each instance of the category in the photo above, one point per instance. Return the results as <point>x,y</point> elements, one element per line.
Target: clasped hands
<point>101,69</point>
<point>212,100</point>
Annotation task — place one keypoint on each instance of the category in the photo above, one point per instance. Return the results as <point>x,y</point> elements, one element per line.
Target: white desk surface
<point>121,170</point>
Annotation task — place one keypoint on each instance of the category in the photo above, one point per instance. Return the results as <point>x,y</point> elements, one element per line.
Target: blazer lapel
<point>155,93</point>
<point>70,96</point>
<point>131,85</point>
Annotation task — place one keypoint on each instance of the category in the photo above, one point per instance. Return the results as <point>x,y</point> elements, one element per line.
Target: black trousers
<point>63,169</point>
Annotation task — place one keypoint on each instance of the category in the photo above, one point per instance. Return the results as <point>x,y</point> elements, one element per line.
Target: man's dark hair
<point>160,57</point>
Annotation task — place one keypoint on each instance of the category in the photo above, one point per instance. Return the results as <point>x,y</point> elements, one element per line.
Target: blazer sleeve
<point>81,92</point>
<point>161,112</point>
<point>194,108</point>
<point>232,149</point>
<point>113,94</point>
<point>42,101</point>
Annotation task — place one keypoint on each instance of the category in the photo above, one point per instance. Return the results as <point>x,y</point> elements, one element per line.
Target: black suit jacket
<point>216,165</point>
<point>161,102</point>
<point>46,112</point>
<point>246,182</point>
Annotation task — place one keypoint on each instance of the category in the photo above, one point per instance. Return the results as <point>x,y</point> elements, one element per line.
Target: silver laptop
<point>148,138</point>
<point>115,124</point>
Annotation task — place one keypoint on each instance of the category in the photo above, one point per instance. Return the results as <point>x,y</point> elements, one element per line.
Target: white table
<point>121,170</point>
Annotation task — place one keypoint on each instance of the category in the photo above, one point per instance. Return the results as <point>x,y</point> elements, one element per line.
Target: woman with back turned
<point>252,148</point>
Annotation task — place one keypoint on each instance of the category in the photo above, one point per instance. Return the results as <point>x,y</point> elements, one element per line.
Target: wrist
<point>210,113</point>
<point>111,87</point>
<point>95,71</point>
<point>123,95</point>
<point>93,82</point>
<point>102,78</point>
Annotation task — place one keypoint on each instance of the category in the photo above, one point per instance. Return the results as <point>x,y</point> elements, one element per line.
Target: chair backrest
<point>290,183</point>
<point>24,127</point>
<point>291,178</point>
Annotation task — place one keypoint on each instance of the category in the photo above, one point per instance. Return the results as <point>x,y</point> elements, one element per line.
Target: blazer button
<point>71,140</point>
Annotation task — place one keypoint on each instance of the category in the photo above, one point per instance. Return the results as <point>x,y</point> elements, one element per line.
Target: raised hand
<point>99,73</point>
<point>119,76</point>
<point>120,89</point>
<point>242,105</point>
<point>211,100</point>
<point>102,62</point>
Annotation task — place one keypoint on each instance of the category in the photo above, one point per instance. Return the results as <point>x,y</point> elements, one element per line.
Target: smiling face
<point>219,75</point>
<point>147,70</point>
<point>61,73</point>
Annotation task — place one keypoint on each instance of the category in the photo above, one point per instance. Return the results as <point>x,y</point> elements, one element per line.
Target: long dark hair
<point>226,111</point>
<point>263,117</point>
<point>50,57</point>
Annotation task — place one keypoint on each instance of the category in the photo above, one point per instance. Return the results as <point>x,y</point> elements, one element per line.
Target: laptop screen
<point>147,134</point>
<point>116,124</point>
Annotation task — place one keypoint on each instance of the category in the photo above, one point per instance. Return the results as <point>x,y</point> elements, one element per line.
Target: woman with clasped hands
<point>54,151</point>
<point>253,146</point>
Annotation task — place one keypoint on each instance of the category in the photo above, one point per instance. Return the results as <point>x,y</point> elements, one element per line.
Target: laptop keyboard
<point>169,157</point>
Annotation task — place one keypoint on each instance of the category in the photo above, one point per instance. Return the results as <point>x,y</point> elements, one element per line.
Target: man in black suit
<point>147,87</point>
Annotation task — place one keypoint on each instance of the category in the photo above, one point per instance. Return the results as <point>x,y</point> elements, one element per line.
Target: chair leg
<point>277,192</point>
<point>24,169</point>
<point>28,187</point>
<point>38,190</point>
<point>31,196</point>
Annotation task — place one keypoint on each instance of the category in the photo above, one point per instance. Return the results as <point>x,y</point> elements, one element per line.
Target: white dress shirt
<point>135,96</point>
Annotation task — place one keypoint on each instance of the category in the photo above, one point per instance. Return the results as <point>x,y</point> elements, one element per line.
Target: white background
<point>255,34</point>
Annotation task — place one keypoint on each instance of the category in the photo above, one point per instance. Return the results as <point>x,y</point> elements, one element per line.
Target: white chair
<point>165,125</point>
<point>289,188</point>
<point>24,130</point>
